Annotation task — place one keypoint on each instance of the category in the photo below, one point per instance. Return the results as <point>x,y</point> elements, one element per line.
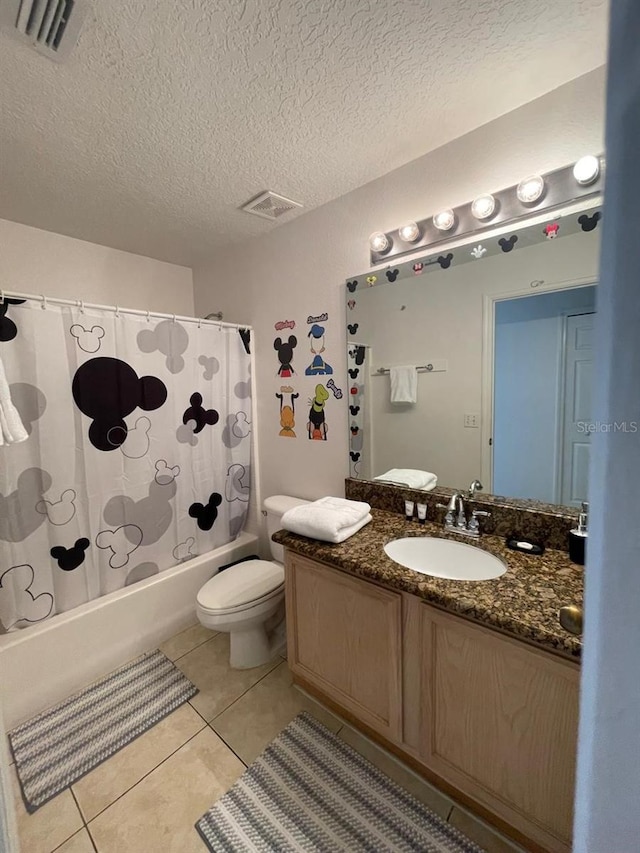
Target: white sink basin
<point>443,558</point>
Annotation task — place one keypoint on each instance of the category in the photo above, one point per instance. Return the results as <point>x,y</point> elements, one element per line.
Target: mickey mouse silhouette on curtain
<point>285,355</point>
<point>318,366</point>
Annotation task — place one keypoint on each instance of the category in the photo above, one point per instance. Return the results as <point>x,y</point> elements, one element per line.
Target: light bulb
<point>379,242</point>
<point>409,232</point>
<point>587,170</point>
<point>445,220</point>
<point>530,189</point>
<point>484,206</point>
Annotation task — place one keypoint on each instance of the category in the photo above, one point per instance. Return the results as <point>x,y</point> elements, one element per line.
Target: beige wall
<point>35,261</point>
<point>299,268</point>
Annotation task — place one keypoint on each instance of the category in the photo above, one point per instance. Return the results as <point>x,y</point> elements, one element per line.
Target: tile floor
<point>147,797</point>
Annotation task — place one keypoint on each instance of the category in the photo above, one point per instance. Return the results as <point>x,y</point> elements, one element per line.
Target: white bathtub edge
<point>42,665</point>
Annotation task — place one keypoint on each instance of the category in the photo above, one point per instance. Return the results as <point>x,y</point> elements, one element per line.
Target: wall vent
<point>270,205</point>
<point>51,27</point>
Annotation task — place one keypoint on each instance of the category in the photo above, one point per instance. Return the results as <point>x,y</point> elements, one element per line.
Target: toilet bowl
<point>247,600</point>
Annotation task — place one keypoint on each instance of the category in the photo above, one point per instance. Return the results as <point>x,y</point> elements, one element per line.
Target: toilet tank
<point>275,507</point>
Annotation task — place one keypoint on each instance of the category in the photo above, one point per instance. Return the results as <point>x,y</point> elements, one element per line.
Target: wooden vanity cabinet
<point>490,719</point>
<point>344,637</point>
<point>499,721</point>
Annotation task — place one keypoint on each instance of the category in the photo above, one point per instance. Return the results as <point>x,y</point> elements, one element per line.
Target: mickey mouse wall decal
<point>507,244</point>
<point>285,355</point>
<point>587,223</point>
<point>392,275</point>
<point>551,231</point>
<point>445,260</point>
<point>351,304</point>
<point>353,328</point>
<point>352,285</point>
<point>353,372</point>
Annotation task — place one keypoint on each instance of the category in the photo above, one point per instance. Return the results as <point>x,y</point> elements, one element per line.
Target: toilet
<point>247,600</point>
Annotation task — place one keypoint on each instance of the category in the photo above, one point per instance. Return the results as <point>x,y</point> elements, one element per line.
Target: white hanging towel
<point>403,381</point>
<point>11,427</point>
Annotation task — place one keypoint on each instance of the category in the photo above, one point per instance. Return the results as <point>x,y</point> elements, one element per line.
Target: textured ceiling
<point>169,115</point>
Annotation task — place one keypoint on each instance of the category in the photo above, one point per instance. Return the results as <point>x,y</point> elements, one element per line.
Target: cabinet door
<point>500,722</point>
<point>344,638</point>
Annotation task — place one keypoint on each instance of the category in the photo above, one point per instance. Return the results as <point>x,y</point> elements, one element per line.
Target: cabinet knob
<point>570,617</point>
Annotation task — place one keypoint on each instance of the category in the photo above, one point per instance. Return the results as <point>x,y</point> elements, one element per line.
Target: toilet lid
<point>241,584</point>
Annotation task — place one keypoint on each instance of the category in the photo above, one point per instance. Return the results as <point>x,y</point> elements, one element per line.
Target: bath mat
<point>61,745</point>
<point>309,791</point>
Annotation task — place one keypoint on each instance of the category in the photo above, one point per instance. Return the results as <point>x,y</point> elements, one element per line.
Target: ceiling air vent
<point>51,27</point>
<point>270,205</point>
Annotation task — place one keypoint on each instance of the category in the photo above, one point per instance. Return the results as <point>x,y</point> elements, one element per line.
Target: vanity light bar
<point>533,195</point>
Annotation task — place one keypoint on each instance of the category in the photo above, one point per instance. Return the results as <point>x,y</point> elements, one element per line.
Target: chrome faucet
<point>455,520</point>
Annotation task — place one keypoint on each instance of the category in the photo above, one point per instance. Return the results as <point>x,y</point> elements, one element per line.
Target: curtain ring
<point>44,301</point>
<point>148,316</point>
<point>82,306</point>
<point>117,311</point>
<point>173,318</point>
<point>199,322</point>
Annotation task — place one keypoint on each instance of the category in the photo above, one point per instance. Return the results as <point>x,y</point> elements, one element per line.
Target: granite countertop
<point>524,602</point>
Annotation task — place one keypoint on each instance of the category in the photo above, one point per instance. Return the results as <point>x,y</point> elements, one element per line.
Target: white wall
<point>36,261</point>
<point>299,269</point>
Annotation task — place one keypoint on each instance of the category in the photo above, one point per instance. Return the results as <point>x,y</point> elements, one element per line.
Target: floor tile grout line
<point>148,773</point>
<point>184,654</point>
<point>237,699</point>
<point>92,840</point>
<point>230,748</point>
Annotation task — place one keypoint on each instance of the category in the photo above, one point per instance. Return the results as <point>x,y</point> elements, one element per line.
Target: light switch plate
<point>471,421</point>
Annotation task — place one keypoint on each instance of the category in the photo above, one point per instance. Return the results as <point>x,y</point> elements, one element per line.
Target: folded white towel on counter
<point>411,477</point>
<point>403,381</point>
<point>328,519</point>
<point>12,429</point>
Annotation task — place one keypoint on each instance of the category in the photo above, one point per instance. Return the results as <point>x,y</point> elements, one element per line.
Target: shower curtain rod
<point>81,305</point>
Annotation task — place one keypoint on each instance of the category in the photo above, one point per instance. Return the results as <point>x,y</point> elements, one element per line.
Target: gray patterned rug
<point>309,791</point>
<point>66,742</point>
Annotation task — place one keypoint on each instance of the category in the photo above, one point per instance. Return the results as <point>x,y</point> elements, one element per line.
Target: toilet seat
<point>241,587</point>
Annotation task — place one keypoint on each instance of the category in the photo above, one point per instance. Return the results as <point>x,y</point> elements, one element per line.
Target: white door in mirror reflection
<point>576,402</point>
<point>542,395</point>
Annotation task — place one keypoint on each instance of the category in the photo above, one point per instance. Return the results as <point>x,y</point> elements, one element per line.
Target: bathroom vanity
<point>475,685</point>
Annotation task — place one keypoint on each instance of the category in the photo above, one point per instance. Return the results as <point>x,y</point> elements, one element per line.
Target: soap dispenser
<point>578,537</point>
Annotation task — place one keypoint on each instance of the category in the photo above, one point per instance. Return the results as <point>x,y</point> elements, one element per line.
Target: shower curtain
<point>138,452</point>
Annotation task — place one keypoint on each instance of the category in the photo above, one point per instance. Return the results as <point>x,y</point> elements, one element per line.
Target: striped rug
<point>61,745</point>
<point>309,791</point>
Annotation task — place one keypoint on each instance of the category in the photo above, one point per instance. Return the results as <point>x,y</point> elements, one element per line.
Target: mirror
<point>501,331</point>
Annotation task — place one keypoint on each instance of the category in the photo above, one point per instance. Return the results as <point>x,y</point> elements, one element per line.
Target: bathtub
<point>42,665</point>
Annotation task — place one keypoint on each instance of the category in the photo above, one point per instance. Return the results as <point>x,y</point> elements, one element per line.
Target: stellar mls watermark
<point>612,426</point>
